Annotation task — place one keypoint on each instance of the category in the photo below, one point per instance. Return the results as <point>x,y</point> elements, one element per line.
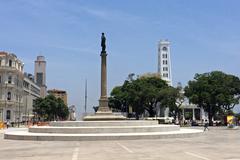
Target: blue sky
<point>204,36</point>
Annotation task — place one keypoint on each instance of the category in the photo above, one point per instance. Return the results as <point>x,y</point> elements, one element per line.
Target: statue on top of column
<point>103,43</point>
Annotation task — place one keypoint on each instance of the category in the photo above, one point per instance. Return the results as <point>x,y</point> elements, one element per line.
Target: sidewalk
<point>2,131</point>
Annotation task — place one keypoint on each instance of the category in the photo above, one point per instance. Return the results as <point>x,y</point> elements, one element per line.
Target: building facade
<point>31,93</point>
<point>17,90</point>
<point>40,74</point>
<point>59,94</point>
<point>11,87</point>
<point>164,61</point>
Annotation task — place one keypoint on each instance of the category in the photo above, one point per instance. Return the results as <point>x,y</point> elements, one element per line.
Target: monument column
<point>104,112</point>
<point>103,101</point>
<point>103,75</point>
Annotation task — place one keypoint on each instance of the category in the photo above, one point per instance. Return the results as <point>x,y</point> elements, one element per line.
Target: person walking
<point>8,124</point>
<point>206,124</point>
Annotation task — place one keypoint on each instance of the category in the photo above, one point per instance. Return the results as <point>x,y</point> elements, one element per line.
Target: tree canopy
<point>142,94</point>
<point>51,108</point>
<point>214,91</point>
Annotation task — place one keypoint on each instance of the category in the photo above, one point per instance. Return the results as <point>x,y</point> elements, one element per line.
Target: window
<point>40,78</point>
<point>9,95</point>
<point>165,62</point>
<point>8,116</point>
<point>0,79</point>
<point>164,56</point>
<point>0,62</point>
<point>164,48</point>
<point>10,63</point>
<point>165,68</point>
<point>9,79</point>
<point>26,84</point>
<point>165,74</point>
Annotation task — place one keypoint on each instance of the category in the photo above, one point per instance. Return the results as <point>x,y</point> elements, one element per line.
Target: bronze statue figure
<point>103,43</point>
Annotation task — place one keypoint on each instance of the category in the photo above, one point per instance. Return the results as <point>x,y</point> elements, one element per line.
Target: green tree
<point>172,98</point>
<point>62,110</point>
<point>151,87</point>
<point>117,100</point>
<point>50,108</point>
<point>140,93</point>
<point>40,107</point>
<point>214,91</point>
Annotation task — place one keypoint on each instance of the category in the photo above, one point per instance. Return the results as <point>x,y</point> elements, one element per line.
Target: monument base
<point>104,116</point>
<point>104,113</point>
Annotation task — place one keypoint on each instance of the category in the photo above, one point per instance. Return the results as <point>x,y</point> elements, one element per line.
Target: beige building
<point>17,90</point>
<point>59,94</point>
<point>11,87</point>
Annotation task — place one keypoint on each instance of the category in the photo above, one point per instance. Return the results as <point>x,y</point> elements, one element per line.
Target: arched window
<point>8,116</point>
<point>9,95</point>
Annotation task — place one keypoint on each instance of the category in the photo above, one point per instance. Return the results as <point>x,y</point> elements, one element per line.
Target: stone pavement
<point>2,131</point>
<point>216,144</point>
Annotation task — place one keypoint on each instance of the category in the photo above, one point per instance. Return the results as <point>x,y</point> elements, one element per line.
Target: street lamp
<point>26,122</point>
<point>5,97</point>
<point>19,114</point>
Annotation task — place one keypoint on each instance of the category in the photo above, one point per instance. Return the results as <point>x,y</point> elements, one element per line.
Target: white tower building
<point>164,61</point>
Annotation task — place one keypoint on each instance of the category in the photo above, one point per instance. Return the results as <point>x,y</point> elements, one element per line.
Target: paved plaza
<point>216,144</point>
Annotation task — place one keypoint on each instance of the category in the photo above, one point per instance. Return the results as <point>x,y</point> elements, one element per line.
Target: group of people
<point>193,123</point>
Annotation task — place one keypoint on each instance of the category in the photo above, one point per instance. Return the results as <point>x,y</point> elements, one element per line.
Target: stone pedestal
<point>103,106</point>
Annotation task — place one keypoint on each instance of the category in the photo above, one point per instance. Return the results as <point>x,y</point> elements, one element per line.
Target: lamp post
<point>5,97</point>
<point>26,109</point>
<point>19,97</point>
<point>19,114</point>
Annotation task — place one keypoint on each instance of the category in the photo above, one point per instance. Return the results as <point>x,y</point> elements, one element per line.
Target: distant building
<point>40,74</point>
<point>164,61</point>
<point>59,94</point>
